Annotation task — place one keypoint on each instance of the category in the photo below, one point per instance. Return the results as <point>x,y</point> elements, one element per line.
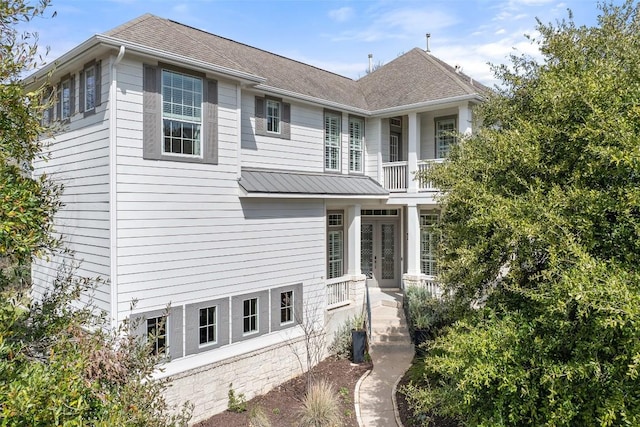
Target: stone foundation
<point>252,373</point>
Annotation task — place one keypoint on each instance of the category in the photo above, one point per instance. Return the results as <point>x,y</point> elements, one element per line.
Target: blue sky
<point>335,35</point>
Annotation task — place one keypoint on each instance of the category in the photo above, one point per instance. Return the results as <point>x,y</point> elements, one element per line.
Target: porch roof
<point>280,183</point>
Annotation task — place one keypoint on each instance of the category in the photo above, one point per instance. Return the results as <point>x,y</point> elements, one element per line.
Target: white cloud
<point>341,15</point>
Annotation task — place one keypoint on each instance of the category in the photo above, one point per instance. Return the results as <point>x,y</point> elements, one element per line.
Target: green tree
<point>60,364</point>
<point>541,236</point>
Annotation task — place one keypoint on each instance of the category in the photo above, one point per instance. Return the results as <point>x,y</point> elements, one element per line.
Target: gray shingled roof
<point>267,181</point>
<point>280,72</point>
<point>412,78</point>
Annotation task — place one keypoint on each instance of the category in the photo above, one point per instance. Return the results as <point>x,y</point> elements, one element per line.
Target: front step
<point>388,324</point>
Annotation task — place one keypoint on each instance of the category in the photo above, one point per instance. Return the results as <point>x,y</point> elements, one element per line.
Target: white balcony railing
<point>396,175</point>
<point>338,292</point>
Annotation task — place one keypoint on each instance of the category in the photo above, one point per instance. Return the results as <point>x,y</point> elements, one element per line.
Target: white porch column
<point>353,239</point>
<point>412,155</point>
<point>464,119</point>
<point>413,240</point>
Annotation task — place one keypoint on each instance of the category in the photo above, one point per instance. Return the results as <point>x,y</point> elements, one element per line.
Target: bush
<point>321,407</point>
<point>426,312</point>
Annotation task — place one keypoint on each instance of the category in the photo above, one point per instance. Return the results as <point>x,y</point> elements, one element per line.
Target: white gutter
<point>426,104</point>
<point>113,199</point>
<point>313,100</point>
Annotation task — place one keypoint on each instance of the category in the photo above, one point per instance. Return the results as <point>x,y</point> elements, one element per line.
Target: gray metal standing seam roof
<point>266,181</point>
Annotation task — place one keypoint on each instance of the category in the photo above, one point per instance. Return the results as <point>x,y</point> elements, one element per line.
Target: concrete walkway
<point>391,351</point>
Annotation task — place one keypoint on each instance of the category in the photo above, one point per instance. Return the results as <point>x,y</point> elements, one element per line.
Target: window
<point>250,315</point>
<point>208,325</point>
<point>90,87</point>
<point>332,141</point>
<point>394,147</point>
<point>157,335</point>
<point>65,102</point>
<point>445,136</point>
<point>47,103</point>
<point>181,113</point>
<point>273,117</point>
<point>428,243</point>
<point>286,307</point>
<point>335,245</point>
<point>356,139</point>
<point>180,121</point>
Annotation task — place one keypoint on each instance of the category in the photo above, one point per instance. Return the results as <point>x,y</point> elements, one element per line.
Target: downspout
<point>113,199</point>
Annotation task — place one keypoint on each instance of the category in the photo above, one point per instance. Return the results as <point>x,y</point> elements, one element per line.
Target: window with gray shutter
<point>272,117</point>
<point>180,121</point>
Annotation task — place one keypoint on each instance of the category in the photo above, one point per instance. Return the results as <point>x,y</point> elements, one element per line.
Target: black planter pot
<point>359,344</point>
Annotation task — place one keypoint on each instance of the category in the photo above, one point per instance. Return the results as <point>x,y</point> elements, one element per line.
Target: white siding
<point>428,131</point>
<point>184,235</point>
<point>371,147</point>
<point>303,152</point>
<point>80,160</point>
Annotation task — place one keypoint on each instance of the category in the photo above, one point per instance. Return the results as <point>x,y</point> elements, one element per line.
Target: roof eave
<point>426,104</point>
<point>313,100</point>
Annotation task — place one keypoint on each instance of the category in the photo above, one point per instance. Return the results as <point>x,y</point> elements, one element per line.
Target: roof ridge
<point>131,23</point>
<point>451,74</point>
<point>459,74</point>
<point>206,45</point>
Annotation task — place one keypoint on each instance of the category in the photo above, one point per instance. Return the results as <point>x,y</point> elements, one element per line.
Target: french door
<point>380,253</point>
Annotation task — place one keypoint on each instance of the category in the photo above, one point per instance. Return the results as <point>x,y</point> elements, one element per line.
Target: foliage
<point>321,407</point>
<point>259,418</point>
<point>60,363</point>
<point>237,402</point>
<point>342,345</point>
<point>425,311</point>
<point>541,224</point>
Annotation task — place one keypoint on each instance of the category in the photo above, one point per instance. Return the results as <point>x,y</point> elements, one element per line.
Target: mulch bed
<point>282,404</point>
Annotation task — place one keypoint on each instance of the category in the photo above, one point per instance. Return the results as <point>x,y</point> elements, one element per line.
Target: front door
<point>379,253</point>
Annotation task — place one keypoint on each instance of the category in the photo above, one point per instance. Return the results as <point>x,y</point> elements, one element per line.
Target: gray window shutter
<point>210,123</point>
<point>175,332</point>
<point>286,121</point>
<point>151,122</point>
<point>261,127</point>
<point>59,102</point>
<point>72,96</point>
<point>98,71</point>
<point>81,92</point>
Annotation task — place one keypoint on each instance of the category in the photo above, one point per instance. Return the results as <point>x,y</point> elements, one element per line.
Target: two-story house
<point>248,191</point>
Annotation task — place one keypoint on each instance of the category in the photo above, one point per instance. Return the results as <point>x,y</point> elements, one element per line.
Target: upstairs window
<point>445,136</point>
<point>332,141</point>
<point>356,144</point>
<point>65,104</point>
<point>181,114</point>
<point>90,87</point>
<point>273,117</point>
<point>180,122</point>
<point>47,103</point>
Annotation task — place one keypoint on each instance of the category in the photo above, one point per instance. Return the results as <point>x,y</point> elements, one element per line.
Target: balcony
<point>396,176</point>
